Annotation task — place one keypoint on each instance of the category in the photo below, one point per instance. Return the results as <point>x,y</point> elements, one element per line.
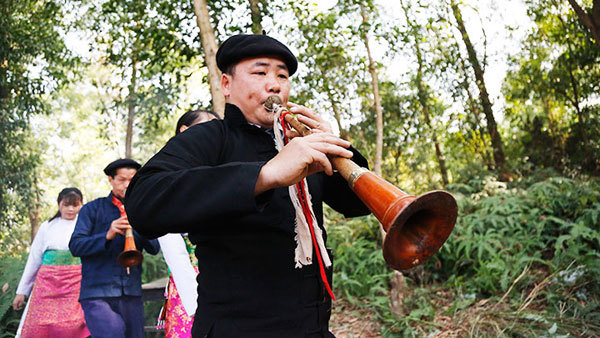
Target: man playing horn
<point>111,295</point>
<point>254,214</point>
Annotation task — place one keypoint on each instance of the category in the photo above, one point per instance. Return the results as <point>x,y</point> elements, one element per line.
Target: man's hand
<point>118,226</point>
<point>312,120</point>
<point>18,302</point>
<point>302,156</point>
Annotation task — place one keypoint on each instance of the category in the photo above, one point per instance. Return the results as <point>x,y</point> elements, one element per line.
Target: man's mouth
<point>271,103</point>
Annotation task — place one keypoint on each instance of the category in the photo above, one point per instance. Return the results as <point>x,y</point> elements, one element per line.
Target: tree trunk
<point>575,99</point>
<point>590,20</point>
<point>131,109</point>
<point>399,291</point>
<point>209,44</point>
<point>4,89</point>
<point>35,209</point>
<point>497,145</point>
<point>477,127</point>
<point>377,101</point>
<point>256,16</point>
<point>425,106</point>
<point>338,118</point>
<point>580,114</point>
<point>34,220</point>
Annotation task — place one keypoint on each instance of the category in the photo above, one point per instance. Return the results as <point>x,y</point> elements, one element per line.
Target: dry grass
<point>492,317</point>
<point>350,321</point>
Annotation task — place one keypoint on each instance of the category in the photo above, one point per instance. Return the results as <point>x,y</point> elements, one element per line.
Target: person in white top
<point>52,276</point>
<point>177,315</point>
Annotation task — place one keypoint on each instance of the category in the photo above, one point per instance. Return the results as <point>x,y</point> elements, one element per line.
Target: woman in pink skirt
<point>52,277</point>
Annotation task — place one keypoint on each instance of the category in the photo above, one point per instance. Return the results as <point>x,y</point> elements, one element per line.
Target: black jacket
<point>202,182</point>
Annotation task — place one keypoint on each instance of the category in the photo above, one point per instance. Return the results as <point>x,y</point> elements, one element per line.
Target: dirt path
<point>349,321</point>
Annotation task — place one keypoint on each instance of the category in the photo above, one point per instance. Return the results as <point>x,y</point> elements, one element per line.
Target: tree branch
<point>590,22</point>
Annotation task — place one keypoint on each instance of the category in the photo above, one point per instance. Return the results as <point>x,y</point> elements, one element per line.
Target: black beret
<point>243,46</point>
<point>111,168</point>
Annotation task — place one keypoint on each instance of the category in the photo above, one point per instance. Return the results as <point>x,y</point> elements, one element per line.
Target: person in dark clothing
<point>111,295</point>
<point>225,184</point>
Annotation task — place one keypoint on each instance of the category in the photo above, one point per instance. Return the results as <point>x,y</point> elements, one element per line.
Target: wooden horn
<point>130,256</point>
<point>416,227</point>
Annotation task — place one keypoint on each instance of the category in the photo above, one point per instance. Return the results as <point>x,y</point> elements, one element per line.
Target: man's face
<point>121,181</point>
<point>254,80</point>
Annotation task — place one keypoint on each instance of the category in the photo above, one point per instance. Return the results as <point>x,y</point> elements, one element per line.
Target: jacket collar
<point>110,197</point>
<point>235,118</point>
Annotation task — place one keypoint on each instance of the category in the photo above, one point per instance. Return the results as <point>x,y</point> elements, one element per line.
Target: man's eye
<point>283,76</point>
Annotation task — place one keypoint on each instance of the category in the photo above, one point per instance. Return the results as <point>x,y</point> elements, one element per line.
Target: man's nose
<point>273,85</point>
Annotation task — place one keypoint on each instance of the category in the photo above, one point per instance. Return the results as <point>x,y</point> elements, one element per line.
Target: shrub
<point>523,259</point>
<point>11,268</point>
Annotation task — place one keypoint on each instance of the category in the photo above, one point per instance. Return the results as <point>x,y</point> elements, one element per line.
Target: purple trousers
<point>114,317</point>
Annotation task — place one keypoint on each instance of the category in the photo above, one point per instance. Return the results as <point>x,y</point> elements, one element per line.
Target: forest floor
<point>350,321</point>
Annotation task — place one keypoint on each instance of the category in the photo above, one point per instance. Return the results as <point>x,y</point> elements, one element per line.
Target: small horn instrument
<point>130,256</point>
<point>416,227</point>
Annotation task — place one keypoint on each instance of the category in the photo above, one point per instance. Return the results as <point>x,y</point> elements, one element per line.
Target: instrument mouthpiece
<point>272,102</point>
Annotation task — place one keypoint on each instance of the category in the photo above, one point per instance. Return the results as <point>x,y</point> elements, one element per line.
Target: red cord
<point>308,216</point>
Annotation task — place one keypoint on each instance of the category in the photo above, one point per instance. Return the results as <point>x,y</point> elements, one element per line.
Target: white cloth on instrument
<point>304,244</point>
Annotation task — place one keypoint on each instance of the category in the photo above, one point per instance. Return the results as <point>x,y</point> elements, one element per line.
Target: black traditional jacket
<point>202,182</point>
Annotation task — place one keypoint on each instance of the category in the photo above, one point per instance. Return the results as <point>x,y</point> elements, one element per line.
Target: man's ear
<point>226,84</point>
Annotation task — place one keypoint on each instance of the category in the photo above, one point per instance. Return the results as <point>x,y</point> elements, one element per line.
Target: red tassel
<point>308,216</point>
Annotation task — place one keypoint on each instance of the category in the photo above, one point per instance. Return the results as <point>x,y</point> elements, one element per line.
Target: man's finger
<point>299,109</point>
<point>332,149</point>
<point>311,123</point>
<point>292,133</point>
<point>319,158</point>
<point>327,138</point>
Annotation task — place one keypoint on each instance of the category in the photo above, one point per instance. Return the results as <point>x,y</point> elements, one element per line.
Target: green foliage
<point>552,90</point>
<point>153,268</point>
<point>325,45</point>
<point>520,251</point>
<point>33,62</point>
<point>549,225</point>
<point>540,245</point>
<point>11,268</point>
<point>141,44</point>
<point>359,272</point>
